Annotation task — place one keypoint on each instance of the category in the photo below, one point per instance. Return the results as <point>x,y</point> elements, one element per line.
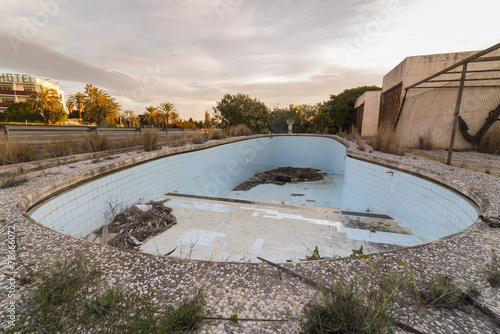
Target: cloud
<point>26,55</point>
<point>191,52</point>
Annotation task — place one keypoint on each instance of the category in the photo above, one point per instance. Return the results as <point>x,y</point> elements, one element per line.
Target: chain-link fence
<point>454,115</point>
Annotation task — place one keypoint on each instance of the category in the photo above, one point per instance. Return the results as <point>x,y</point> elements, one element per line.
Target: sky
<point>192,52</point>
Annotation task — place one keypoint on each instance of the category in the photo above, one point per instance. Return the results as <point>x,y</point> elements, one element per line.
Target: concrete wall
<point>371,100</point>
<point>429,112</point>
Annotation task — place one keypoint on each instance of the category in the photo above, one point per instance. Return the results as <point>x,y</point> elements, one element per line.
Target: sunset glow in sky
<point>192,52</point>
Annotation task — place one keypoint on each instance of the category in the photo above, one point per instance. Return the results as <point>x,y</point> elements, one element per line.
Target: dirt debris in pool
<point>281,176</point>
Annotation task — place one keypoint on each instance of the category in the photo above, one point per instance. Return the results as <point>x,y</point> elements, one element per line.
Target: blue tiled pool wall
<point>211,172</point>
<point>429,209</point>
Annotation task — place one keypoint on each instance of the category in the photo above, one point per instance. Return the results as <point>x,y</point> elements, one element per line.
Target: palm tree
<point>77,100</point>
<point>100,106</point>
<point>45,101</point>
<point>167,109</point>
<point>175,117</point>
<point>151,115</point>
<point>130,117</point>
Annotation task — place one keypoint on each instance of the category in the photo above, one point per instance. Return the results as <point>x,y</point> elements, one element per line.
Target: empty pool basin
<point>369,205</point>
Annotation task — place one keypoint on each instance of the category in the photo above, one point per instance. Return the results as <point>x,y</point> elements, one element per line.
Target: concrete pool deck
<point>255,290</point>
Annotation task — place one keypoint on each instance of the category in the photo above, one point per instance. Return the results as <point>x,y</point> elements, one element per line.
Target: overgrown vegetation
<point>13,151</point>
<point>198,137</point>
<point>238,130</point>
<point>216,134</point>
<point>355,305</point>
<point>493,270</point>
<point>95,142</point>
<point>387,140</point>
<point>12,181</point>
<point>69,297</point>
<point>439,291</point>
<point>150,140</point>
<point>364,301</point>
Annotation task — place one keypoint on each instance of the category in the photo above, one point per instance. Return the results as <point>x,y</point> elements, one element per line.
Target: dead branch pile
<point>135,226</point>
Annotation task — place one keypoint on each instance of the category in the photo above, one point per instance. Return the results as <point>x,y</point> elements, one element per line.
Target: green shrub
<point>22,117</point>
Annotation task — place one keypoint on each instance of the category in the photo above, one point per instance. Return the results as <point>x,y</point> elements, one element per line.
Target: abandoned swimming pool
<point>365,205</point>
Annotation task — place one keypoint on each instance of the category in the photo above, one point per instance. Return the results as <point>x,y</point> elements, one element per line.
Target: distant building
<point>18,87</point>
<point>428,111</point>
<point>367,112</point>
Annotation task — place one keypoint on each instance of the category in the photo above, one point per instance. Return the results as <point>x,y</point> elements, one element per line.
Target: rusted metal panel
<point>358,117</point>
<point>389,105</point>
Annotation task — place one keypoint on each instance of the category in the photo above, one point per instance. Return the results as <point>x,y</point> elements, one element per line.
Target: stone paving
<point>256,291</point>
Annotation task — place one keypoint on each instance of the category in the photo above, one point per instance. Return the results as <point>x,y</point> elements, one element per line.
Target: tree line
<point>96,106</point>
<point>332,116</point>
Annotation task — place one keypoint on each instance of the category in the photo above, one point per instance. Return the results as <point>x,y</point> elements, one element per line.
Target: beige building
<point>367,108</point>
<point>429,111</point>
<point>18,87</point>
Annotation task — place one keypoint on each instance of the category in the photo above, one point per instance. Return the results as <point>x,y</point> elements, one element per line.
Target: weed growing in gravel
<point>493,270</point>
<point>69,297</point>
<point>12,181</point>
<point>361,304</point>
<point>439,291</point>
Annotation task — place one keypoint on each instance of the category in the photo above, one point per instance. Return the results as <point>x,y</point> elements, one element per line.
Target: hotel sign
<point>19,78</point>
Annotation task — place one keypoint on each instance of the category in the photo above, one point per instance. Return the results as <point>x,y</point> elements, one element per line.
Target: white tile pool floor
<point>225,230</point>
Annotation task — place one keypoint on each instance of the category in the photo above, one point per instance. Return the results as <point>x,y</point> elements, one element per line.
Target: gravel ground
<point>257,292</point>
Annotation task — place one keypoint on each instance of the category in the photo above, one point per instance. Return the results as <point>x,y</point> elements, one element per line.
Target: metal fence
<point>44,134</point>
<point>459,105</point>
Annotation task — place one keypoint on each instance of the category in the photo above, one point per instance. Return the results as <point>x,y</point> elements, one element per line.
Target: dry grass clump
<point>358,139</point>
<point>12,181</point>
<point>95,142</point>
<point>490,143</point>
<point>198,137</point>
<point>150,140</point>
<point>216,134</point>
<point>13,151</point>
<point>61,146</point>
<point>425,141</point>
<point>387,140</point>
<point>129,141</point>
<point>239,130</point>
